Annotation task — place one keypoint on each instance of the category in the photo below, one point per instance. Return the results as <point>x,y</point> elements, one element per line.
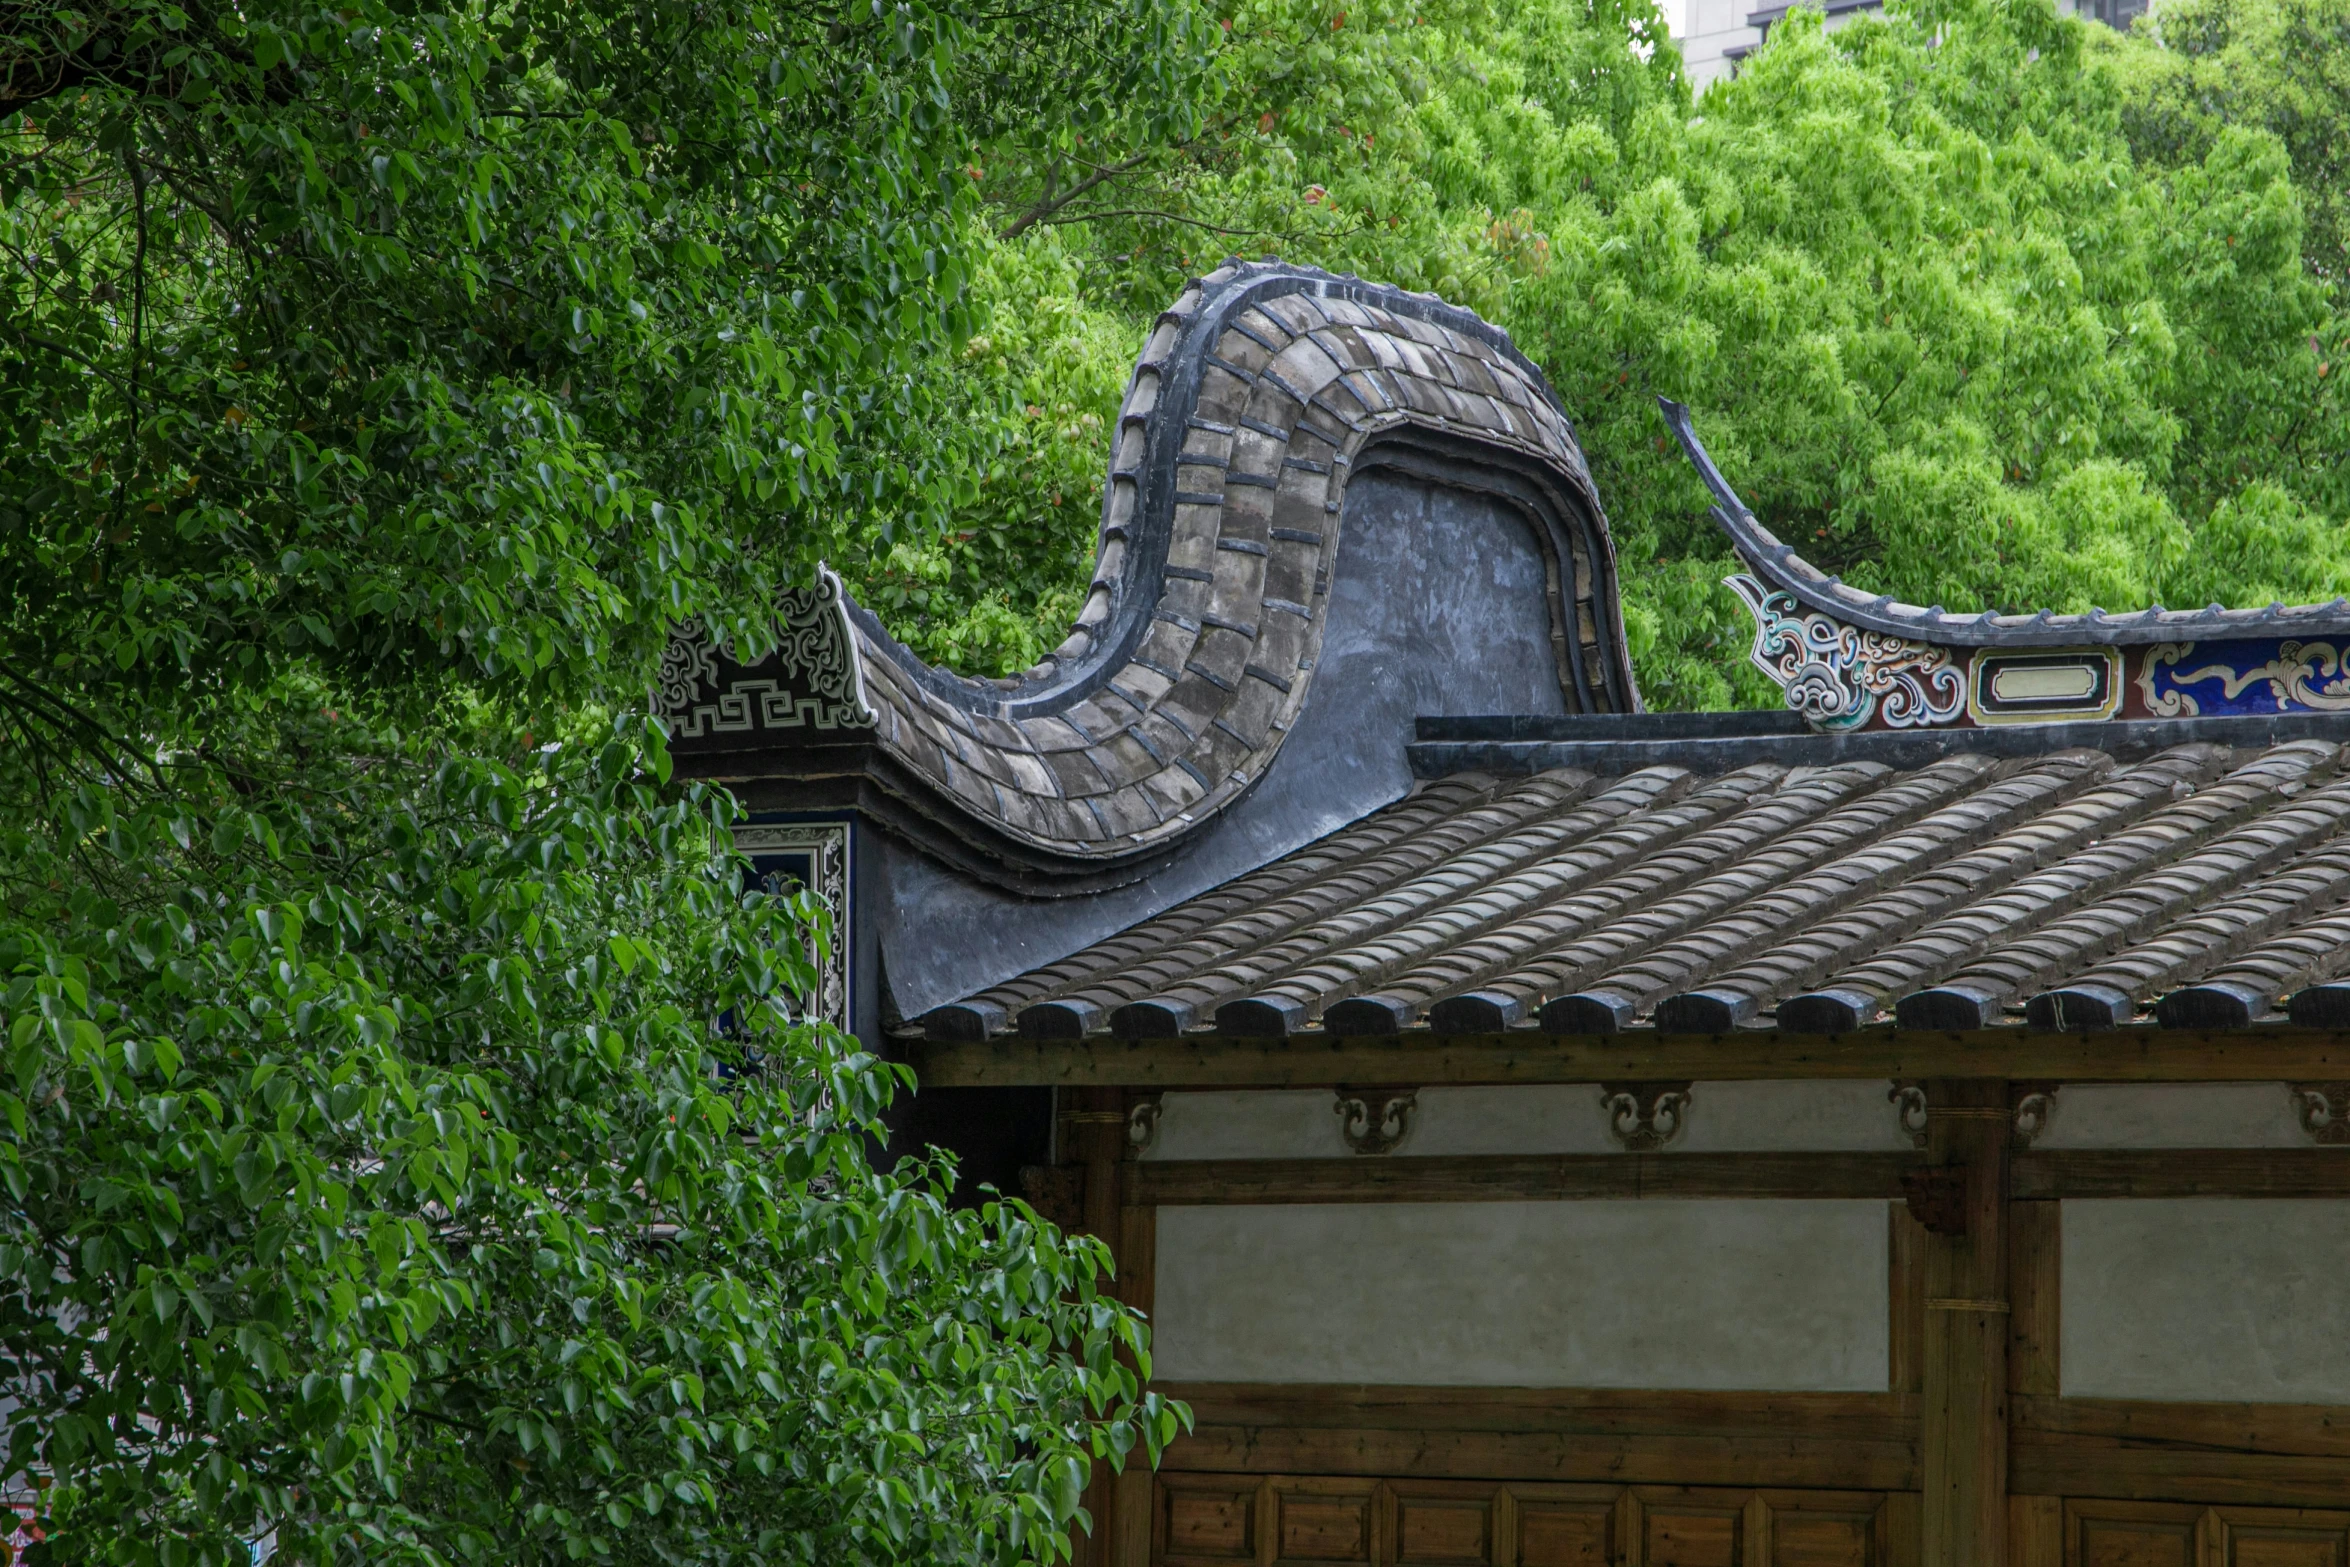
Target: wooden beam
<point>2136,1054</point>
<point>1963,1424</point>
<point>2261,1455</point>
<point>1847,1441</point>
<point>2036,1177</point>
<point>2183,1172</point>
<point>1517,1177</point>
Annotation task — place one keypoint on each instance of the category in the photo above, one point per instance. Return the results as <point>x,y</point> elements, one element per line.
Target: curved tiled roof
<point>2068,889</point>
<point>1783,569</point>
<point>1256,397</point>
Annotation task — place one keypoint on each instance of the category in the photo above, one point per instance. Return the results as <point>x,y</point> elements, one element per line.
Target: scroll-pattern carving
<point>2324,1111</point>
<point>812,680</point>
<point>1376,1123</point>
<point>1839,676</point>
<point>1645,1116</point>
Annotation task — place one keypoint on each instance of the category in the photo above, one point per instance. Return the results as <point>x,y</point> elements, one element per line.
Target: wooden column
<point>1964,1440</point>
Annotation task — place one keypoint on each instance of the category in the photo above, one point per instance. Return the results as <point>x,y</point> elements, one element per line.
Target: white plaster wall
<point>1249,1124</point>
<point>1791,1118</point>
<point>1529,1118</point>
<point>2172,1115</point>
<point>1544,1118</point>
<point>2214,1299</point>
<point>1719,1293</point>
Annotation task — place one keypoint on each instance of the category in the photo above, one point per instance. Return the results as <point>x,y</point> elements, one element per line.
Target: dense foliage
<point>1978,305</point>
<point>414,1148</point>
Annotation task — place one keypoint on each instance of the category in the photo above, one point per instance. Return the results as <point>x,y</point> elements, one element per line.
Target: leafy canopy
<point>415,1146</point>
<point>1954,317</point>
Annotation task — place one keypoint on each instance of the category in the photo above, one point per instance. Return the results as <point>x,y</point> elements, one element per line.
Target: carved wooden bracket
<point>1909,1105</point>
<point>2324,1109</point>
<point>1142,1125</point>
<point>2031,1104</point>
<point>1937,1199</point>
<point>2034,1104</point>
<point>1056,1192</point>
<point>1645,1116</point>
<point>1376,1122</point>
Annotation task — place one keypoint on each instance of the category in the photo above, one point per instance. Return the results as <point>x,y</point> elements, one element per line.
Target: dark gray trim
<point>1713,752</point>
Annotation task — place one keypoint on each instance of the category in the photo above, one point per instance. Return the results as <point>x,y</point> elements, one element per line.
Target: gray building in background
<point>1715,35</point>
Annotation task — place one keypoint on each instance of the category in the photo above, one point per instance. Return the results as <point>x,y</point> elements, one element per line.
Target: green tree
<point>415,1147</point>
<point>1952,333</point>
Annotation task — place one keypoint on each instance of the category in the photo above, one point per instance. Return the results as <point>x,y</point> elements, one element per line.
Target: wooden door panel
<point>1557,1533</point>
<point>1206,1520</point>
<point>2283,1550</point>
<point>1686,1532</point>
<point>1825,1540</point>
<point>2111,1542</point>
<point>2276,1537</point>
<point>1444,1531</point>
<point>1323,1520</point>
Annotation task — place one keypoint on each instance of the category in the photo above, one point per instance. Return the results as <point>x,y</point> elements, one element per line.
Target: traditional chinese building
<point>1908,1127</point>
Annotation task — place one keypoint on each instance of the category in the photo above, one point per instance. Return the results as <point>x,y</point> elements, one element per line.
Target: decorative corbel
<point>1376,1122</point>
<point>1936,1198</point>
<point>1142,1125</point>
<point>2324,1111</point>
<point>1645,1116</point>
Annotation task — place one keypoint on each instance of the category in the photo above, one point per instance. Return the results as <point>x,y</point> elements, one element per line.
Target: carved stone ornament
<point>812,680</point>
<point>1377,1122</point>
<point>1909,1105</point>
<point>1056,1192</point>
<point>1837,676</point>
<point>1142,1125</point>
<point>1645,1116</point>
<point>2324,1110</point>
<point>1936,1199</point>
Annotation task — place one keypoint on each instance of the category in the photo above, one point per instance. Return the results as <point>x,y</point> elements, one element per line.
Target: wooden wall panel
<point>2159,1534</point>
<point>1291,1521</point>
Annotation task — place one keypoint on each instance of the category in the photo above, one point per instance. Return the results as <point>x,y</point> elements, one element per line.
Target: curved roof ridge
<point>1783,570</point>
<point>1256,396</point>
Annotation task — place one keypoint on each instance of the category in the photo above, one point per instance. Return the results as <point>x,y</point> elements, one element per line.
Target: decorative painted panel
<point>1839,676</point>
<point>2189,679</point>
<point>2036,688</point>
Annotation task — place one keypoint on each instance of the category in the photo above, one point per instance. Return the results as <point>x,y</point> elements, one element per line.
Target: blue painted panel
<point>2213,679</point>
